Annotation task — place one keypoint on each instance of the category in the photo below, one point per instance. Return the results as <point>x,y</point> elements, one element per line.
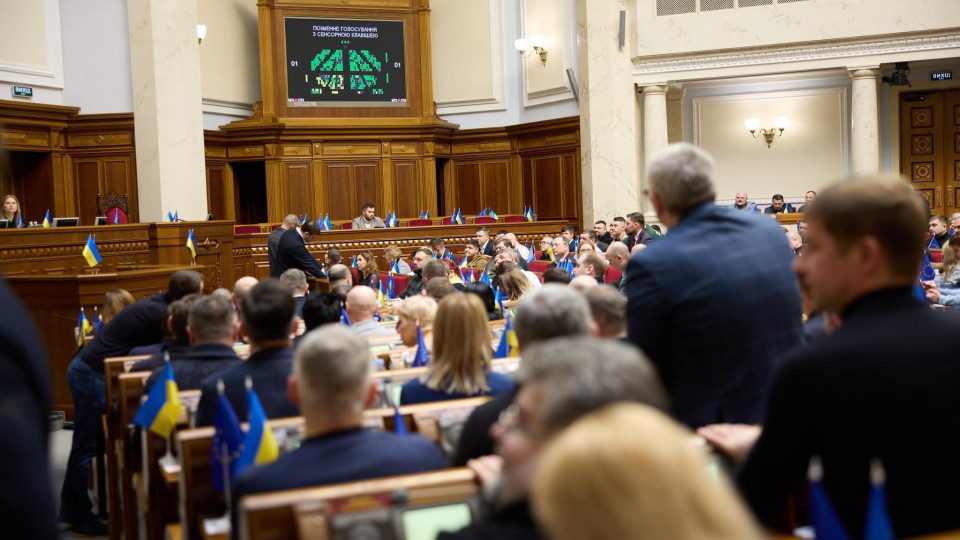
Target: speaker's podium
<point>55,302</point>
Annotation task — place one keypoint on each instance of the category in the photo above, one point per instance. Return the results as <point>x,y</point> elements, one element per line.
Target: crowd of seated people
<point>592,436</point>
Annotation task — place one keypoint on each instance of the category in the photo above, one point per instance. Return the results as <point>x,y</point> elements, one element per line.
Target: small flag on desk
<point>46,220</point>
<point>492,214</point>
<point>482,213</point>
<point>83,327</point>
<point>426,215</point>
<point>508,342</point>
<point>550,254</point>
<point>169,217</point>
<point>391,288</point>
<point>878,525</point>
<point>259,446</point>
<point>176,216</point>
<point>192,244</point>
<point>227,441</point>
<point>399,426</point>
<point>19,219</point>
<point>457,217</point>
<point>353,262</point>
<point>824,518</point>
<point>530,256</point>
<point>91,253</point>
<point>395,268</point>
<point>381,301</point>
<point>116,217</point>
<point>159,413</point>
<point>420,359</point>
<point>499,300</point>
<point>326,223</point>
<point>421,215</point>
<point>926,270</point>
<point>933,243</point>
<point>393,220</point>
<point>344,318</point>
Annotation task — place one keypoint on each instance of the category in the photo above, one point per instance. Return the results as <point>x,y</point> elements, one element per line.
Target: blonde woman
<point>462,351</point>
<point>392,254</point>
<point>950,271</point>
<point>513,283</point>
<point>11,209</point>
<point>629,471</point>
<point>412,311</point>
<point>113,302</point>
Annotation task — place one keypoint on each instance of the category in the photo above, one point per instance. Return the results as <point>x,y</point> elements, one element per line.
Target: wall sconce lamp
<point>201,32</point>
<point>524,45</point>
<point>780,123</point>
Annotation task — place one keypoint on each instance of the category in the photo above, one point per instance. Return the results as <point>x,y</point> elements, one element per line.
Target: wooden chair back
<point>327,512</point>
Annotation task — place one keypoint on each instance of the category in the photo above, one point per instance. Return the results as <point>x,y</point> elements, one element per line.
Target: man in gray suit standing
<point>273,241</point>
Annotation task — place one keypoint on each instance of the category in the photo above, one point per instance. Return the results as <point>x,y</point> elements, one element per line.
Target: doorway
<point>930,147</point>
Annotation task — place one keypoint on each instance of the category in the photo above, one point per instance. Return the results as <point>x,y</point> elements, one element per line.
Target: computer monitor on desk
<point>5,224</point>
<point>100,220</point>
<point>65,222</point>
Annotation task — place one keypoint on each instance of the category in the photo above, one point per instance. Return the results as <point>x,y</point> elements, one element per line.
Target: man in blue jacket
<point>713,303</point>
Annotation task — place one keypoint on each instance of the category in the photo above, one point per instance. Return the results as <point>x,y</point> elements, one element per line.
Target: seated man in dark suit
<point>137,324</point>
<point>213,330</point>
<point>885,385</point>
<point>416,284</point>
<point>296,282</point>
<point>562,380</point>
<point>713,303</point>
<point>320,308</point>
<point>636,229</point>
<point>175,348</point>
<point>267,321</point>
<point>332,386</point>
<point>273,241</point>
<point>561,251</point>
<point>292,251</point>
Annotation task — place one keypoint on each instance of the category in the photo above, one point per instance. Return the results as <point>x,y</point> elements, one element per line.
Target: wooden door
<point>930,147</point>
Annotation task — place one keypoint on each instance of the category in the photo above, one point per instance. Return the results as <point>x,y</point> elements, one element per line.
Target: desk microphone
<point>122,255</point>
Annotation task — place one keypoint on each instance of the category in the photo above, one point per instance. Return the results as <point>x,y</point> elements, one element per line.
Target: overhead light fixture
<point>201,32</point>
<point>899,76</point>
<point>534,44</point>
<point>780,123</point>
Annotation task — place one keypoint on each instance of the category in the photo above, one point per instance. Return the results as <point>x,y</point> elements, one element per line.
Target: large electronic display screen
<point>345,62</point>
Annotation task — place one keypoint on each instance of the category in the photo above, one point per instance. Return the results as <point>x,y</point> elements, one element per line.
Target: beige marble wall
<point>608,127</point>
<point>23,30</point>
<point>230,54</point>
<point>165,66</point>
<point>865,125</point>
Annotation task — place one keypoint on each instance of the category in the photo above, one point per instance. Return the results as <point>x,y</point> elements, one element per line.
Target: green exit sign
<point>22,91</point>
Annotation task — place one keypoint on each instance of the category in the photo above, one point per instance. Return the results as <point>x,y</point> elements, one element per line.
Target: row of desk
<point>47,270</point>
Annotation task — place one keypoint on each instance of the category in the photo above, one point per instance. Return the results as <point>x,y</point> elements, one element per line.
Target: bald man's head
<point>241,287</point>
<point>339,274</point>
<point>361,304</point>
<point>290,221</point>
<point>582,283</point>
<point>637,249</point>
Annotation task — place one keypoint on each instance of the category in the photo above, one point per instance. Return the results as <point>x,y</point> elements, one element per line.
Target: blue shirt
<point>417,392</point>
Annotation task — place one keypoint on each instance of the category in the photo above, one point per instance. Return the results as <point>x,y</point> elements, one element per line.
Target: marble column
<point>608,128</point>
<point>167,114</point>
<point>654,119</point>
<point>864,116</point>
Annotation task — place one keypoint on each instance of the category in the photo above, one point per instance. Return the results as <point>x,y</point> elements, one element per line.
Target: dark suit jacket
<point>273,246</point>
<point>343,456</point>
<point>26,500</point>
<point>714,304</point>
<point>292,253</point>
<point>269,370</point>
<point>201,361</point>
<point>137,324</point>
<point>487,249</point>
<point>886,385</point>
<point>643,237</point>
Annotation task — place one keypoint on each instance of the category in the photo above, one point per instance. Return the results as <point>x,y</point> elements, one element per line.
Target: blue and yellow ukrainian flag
<point>457,217</point>
<point>159,413</point>
<point>191,244</point>
<point>381,301</point>
<point>395,269</point>
<point>508,347</point>
<point>91,253</point>
<point>550,254</point>
<point>326,223</point>
<point>499,300</point>
<point>168,218</point>
<point>493,214</point>
<point>46,220</point>
<point>259,446</point>
<point>83,327</point>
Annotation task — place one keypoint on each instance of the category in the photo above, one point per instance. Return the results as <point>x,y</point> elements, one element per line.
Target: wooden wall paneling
<point>319,184</point>
<point>408,188</point>
<point>495,184</point>
<point>429,196</point>
<point>89,179</point>
<point>388,191</point>
<point>526,179</point>
<point>516,180</point>
<point>116,175</point>
<point>339,193</point>
<point>276,192</point>
<point>469,191</point>
<point>571,186</point>
<point>368,187</point>
<point>217,194</point>
<point>299,199</point>
<point>548,190</point>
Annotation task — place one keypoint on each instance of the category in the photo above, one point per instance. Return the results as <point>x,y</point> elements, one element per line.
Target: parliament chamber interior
<point>172,171</point>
